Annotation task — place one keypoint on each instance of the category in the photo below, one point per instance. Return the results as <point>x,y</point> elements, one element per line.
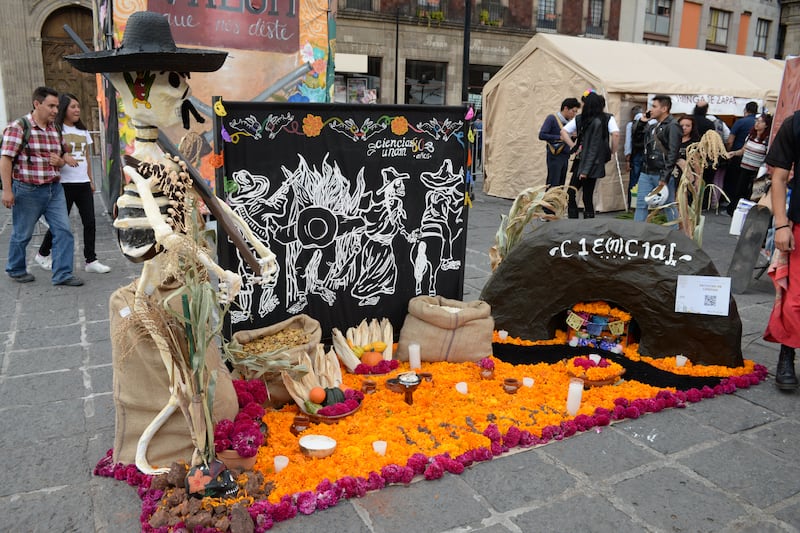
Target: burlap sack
<point>278,395</point>
<point>141,388</point>
<point>446,336</point>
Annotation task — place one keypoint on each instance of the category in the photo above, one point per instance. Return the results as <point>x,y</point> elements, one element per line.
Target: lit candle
<point>574,395</point>
<point>680,360</point>
<point>528,382</point>
<point>379,446</point>
<point>503,334</point>
<point>281,462</point>
<point>414,358</point>
<point>461,387</point>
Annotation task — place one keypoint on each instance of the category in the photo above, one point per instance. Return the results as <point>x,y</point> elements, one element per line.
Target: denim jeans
<point>648,182</point>
<point>31,202</point>
<point>636,170</point>
<point>79,194</point>
<point>557,168</point>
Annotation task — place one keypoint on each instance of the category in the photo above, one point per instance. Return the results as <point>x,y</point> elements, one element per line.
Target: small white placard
<point>705,295</point>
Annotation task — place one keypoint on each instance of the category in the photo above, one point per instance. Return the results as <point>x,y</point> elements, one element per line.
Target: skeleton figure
<point>155,209</point>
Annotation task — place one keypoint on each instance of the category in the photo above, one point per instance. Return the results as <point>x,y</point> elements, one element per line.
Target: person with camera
<point>662,142</point>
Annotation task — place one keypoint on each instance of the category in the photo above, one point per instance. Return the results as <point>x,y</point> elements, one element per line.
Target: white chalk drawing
<point>356,133</point>
<point>338,237</point>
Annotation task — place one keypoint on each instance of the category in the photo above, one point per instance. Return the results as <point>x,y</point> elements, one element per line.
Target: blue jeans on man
<point>557,168</point>
<point>636,170</point>
<point>648,182</point>
<point>30,203</point>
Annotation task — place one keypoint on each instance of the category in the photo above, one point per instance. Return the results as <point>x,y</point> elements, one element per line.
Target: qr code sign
<point>710,300</point>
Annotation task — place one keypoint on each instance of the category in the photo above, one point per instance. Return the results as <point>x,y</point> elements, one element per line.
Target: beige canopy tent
<point>553,67</point>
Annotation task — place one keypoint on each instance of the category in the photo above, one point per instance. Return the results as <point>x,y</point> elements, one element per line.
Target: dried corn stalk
<point>533,203</point>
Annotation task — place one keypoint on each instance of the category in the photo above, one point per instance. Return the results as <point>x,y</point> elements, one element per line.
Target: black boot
<point>572,212</point>
<point>588,214</point>
<point>785,378</point>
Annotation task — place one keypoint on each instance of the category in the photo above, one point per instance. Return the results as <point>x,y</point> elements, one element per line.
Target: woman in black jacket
<point>593,154</point>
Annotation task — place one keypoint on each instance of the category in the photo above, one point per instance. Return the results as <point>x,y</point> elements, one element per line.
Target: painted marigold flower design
<point>312,125</point>
<point>399,125</point>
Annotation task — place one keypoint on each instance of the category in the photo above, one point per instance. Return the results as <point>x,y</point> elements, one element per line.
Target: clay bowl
<point>317,446</point>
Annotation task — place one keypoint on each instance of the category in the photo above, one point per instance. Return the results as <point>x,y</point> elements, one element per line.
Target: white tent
<point>552,67</point>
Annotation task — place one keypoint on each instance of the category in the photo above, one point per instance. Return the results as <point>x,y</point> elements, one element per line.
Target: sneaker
<point>44,261</point>
<point>97,267</point>
<point>71,282</point>
<point>22,278</point>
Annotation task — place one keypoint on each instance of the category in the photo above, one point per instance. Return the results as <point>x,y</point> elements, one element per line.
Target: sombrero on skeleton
<point>148,45</point>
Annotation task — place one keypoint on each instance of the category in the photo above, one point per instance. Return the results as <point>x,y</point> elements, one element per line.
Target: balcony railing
<point>595,29</point>
<point>442,12</point>
<point>547,22</point>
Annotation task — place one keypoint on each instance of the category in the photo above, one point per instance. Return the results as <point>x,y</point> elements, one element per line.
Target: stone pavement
<point>725,464</point>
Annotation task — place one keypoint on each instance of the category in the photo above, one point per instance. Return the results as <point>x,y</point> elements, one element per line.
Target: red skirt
<point>784,321</point>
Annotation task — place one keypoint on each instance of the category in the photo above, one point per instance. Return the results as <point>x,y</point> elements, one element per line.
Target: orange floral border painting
<point>445,430</point>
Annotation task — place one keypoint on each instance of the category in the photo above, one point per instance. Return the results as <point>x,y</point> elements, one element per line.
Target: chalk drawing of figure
<point>442,203</point>
<point>384,218</point>
<point>251,201</point>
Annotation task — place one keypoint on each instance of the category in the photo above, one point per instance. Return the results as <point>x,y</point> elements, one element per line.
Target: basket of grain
<point>265,352</point>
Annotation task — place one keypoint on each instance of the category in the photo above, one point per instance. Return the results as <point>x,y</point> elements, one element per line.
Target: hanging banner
<point>363,206</point>
<point>717,104</point>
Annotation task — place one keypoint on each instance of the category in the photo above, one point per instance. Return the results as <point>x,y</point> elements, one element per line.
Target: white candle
<point>414,358</point>
<point>574,395</point>
<point>595,358</point>
<point>461,387</point>
<point>680,360</point>
<point>528,382</point>
<point>503,334</point>
<point>379,446</point>
<point>573,341</point>
<point>280,462</point>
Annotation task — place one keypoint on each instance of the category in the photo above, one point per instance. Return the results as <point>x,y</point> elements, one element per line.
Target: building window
<point>657,16</point>
<point>359,88</point>
<point>547,18</point>
<point>426,82</point>
<point>594,22</point>
<point>718,24</point>
<point>762,34</point>
<point>427,7</point>
<point>363,5</point>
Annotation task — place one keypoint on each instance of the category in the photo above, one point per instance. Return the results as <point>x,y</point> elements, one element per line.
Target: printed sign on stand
<point>705,295</point>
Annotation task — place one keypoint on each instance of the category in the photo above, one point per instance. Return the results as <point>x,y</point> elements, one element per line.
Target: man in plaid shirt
<point>31,188</point>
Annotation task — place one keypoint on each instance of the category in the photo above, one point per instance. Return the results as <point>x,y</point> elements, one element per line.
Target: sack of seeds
<point>265,352</point>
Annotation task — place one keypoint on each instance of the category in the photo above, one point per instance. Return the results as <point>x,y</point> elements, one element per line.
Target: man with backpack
<point>662,141</point>
<point>31,157</point>
<point>557,151</point>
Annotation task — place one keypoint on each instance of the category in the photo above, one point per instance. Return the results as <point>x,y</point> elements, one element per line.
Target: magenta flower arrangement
<point>486,363</point>
<point>352,399</point>
<point>243,434</point>
<point>384,367</point>
<point>586,363</point>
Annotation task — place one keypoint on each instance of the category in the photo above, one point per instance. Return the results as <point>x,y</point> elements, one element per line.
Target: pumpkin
<point>371,358</point>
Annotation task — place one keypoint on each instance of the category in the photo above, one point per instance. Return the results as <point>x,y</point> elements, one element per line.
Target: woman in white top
<point>76,177</point>
<point>753,154</point>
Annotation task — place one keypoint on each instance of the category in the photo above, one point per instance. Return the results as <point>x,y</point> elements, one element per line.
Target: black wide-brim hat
<point>147,44</point>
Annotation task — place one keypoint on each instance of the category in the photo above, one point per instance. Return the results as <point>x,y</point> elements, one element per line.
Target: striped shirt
<point>33,164</point>
<point>755,152</point>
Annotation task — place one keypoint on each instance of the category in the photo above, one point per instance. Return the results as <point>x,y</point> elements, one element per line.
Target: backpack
<point>26,137</point>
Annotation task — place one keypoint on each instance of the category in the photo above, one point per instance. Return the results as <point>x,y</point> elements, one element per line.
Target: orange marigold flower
<point>312,125</point>
<point>216,160</point>
<point>399,125</point>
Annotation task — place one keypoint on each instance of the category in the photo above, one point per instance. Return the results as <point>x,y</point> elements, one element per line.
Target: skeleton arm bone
<point>266,258</point>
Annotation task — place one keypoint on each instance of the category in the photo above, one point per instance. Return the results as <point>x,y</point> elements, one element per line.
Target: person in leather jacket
<point>662,140</point>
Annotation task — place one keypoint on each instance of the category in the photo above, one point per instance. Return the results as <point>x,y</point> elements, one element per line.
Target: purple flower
<point>482,454</point>
<point>632,412</point>
<point>326,499</point>
<point>498,449</point>
<point>352,487</point>
<point>258,390</point>
<point>486,363</point>
<point>417,463</point>
<point>375,481</point>
<point>512,437</point>
<point>223,429</point>
<point>434,471</point>
<point>492,433</point>
<point>254,410</point>
<point>353,394</point>
<point>526,439</point>
<point>306,502</point>
<point>284,510</point>
<point>247,441</point>
<point>693,395</point>
<point>244,398</point>
<point>584,422</point>
<point>602,419</point>
<point>569,428</point>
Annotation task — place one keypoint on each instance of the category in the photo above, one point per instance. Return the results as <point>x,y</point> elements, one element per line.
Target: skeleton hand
<point>229,286</point>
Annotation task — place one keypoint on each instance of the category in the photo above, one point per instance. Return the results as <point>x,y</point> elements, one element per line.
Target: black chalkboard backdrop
<point>362,204</point>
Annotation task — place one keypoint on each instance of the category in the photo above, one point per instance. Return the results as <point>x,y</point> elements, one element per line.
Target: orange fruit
<point>317,395</point>
<point>371,358</point>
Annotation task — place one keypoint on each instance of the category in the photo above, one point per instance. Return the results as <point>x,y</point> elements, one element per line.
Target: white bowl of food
<point>318,446</point>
